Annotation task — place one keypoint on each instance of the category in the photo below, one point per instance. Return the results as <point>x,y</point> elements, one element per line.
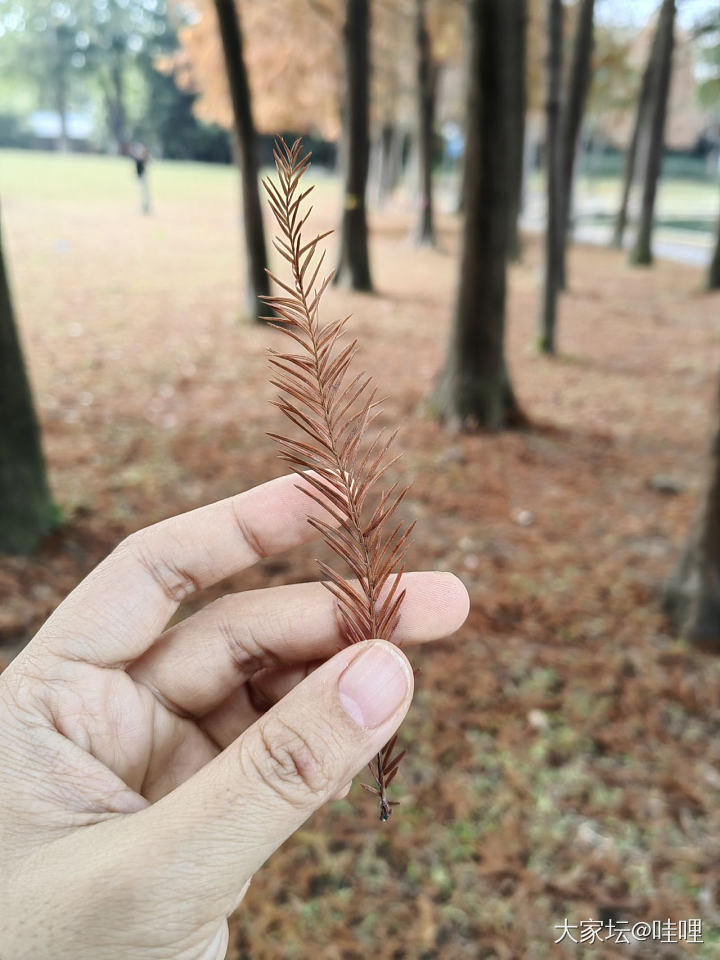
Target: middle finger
<point>198,663</point>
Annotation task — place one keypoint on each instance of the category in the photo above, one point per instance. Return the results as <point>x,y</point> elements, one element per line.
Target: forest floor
<point>564,748</point>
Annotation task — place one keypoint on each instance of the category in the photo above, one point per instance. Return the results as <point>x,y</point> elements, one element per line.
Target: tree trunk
<point>387,179</point>
<point>518,96</point>
<point>551,279</point>
<point>398,151</point>
<point>693,595</point>
<point>116,105</point>
<point>61,87</point>
<point>389,162</point>
<point>474,387</point>
<point>354,263</point>
<point>713,277</point>
<point>426,88</point>
<point>246,153</point>
<point>631,154</point>
<point>641,253</point>
<point>572,114</point>
<point>26,508</point>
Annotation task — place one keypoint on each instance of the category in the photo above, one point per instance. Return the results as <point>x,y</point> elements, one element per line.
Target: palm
<point>128,728</point>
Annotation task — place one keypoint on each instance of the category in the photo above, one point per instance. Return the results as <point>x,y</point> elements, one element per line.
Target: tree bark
<point>518,95</point>
<point>551,278</point>
<point>474,387</point>
<point>641,253</point>
<point>27,512</point>
<point>354,263</point>
<point>246,153</point>
<point>572,114</point>
<point>426,89</point>
<point>693,595</point>
<point>713,277</point>
<point>631,154</point>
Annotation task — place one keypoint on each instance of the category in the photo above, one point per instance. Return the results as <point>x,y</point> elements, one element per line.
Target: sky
<point>635,13</point>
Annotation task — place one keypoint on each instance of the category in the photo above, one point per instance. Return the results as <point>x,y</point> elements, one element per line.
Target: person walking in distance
<point>140,155</point>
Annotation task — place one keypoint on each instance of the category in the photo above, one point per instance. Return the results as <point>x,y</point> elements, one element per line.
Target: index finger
<point>119,609</point>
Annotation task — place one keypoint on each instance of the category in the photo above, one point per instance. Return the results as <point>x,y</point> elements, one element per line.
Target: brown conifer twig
<point>334,410</point>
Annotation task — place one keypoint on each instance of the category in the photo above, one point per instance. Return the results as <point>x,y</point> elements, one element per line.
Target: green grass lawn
<point>687,204</point>
<point>81,178</point>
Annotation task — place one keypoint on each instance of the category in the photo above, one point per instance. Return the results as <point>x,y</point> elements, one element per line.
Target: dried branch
<point>332,411</point>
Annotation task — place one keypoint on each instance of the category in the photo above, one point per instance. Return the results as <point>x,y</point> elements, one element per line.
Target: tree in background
<point>94,58</point>
<point>426,95</point>
<point>578,83</point>
<point>713,277</point>
<point>652,137</point>
<point>63,44</point>
<point>246,151</point>
<point>120,37</point>
<point>518,97</point>
<point>27,511</point>
<point>692,597</point>
<point>474,387</point>
<point>631,153</point>
<point>709,32</point>
<point>293,58</point>
<point>169,125</point>
<point>551,276</point>
<point>353,262</point>
<point>43,43</point>
<point>392,94</point>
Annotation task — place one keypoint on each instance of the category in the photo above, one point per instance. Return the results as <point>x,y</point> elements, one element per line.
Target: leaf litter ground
<point>565,755</point>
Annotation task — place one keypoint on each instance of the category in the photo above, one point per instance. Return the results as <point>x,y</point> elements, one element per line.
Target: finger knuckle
<point>294,766</point>
<point>174,581</point>
<point>244,641</point>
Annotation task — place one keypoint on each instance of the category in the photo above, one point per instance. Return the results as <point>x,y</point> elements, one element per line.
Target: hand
<point>146,773</point>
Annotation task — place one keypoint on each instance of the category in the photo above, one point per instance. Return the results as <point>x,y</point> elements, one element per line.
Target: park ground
<point>564,757</point>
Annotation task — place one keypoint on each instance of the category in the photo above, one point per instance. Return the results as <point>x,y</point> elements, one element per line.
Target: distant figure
<point>139,153</point>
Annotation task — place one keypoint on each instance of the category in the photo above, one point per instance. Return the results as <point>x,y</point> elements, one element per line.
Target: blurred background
<point>525,196</point>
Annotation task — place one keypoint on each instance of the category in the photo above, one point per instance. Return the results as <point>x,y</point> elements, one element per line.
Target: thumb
<point>215,830</point>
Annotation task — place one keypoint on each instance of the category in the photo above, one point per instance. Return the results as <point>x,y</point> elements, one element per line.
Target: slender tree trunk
<point>426,88</point>
<point>63,143</point>
<point>572,114</point>
<point>460,198</point>
<point>551,279</point>
<point>631,154</point>
<point>474,387</point>
<point>118,126</point>
<point>246,147</point>
<point>354,263</point>
<point>518,95</point>
<point>61,88</point>
<point>713,277</point>
<point>389,163</point>
<point>693,595</point>
<point>397,157</point>
<point>641,253</point>
<point>386,175</point>
<point>26,508</point>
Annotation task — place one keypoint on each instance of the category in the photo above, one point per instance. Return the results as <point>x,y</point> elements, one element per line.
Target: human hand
<point>146,773</point>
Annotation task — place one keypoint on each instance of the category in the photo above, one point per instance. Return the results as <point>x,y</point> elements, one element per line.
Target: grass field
<point>685,211</point>
<point>564,758</point>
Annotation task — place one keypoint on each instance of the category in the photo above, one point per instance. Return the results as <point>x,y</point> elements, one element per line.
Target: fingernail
<point>374,685</point>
